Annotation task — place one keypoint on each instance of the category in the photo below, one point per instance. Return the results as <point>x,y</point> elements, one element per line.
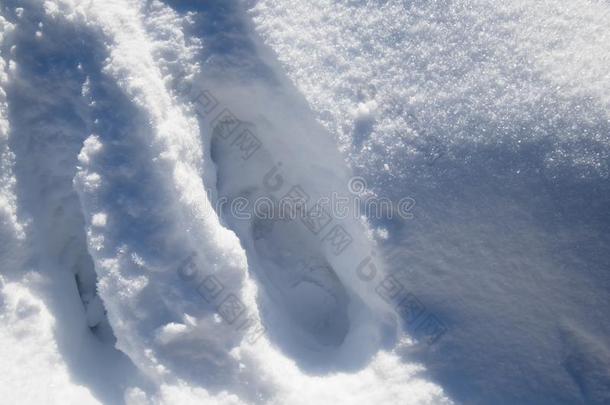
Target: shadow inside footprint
<point>305,284</point>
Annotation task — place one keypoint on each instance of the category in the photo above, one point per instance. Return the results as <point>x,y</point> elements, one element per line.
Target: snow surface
<point>494,116</point>
<point>131,132</point>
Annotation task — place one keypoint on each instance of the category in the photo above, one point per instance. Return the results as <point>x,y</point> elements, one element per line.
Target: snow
<point>493,116</point>
<point>33,370</point>
<point>458,73</point>
<point>147,149</point>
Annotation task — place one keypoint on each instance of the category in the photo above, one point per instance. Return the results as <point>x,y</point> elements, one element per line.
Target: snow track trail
<point>50,275</point>
<point>274,153</point>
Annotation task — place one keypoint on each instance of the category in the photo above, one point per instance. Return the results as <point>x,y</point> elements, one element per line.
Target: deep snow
<point>132,134</point>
